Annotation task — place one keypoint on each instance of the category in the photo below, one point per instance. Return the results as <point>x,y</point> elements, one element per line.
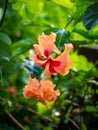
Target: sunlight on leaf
<point>79,62</point>
<point>5,38</point>
<point>65,3</point>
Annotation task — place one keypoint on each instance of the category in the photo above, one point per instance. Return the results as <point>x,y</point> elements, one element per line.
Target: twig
<point>14,120</point>
<point>35,112</point>
<point>30,110</point>
<point>5,8</point>
<point>72,103</point>
<point>74,123</point>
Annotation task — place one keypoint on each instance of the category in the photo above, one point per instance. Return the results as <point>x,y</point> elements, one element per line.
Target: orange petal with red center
<point>46,45</point>
<point>65,61</point>
<point>38,60</point>
<point>50,67</point>
<point>47,70</point>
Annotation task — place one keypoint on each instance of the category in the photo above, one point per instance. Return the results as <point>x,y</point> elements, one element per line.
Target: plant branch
<point>5,8</point>
<point>14,120</point>
<point>35,112</point>
<point>74,123</point>
<point>72,103</point>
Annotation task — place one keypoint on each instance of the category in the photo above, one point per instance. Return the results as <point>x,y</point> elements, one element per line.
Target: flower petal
<point>47,71</point>
<point>49,94</point>
<point>31,88</point>
<point>47,84</point>
<point>43,91</point>
<point>50,67</point>
<point>65,61</point>
<point>38,60</point>
<point>46,45</point>
<point>37,49</point>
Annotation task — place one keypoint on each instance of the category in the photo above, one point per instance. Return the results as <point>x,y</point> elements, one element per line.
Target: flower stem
<point>67,24</point>
<point>5,8</point>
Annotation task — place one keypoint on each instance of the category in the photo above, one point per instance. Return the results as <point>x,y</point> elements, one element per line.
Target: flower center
<point>46,52</point>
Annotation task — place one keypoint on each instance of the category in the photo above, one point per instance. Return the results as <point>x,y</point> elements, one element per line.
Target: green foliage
<point>5,38</point>
<point>21,46</point>
<point>90,17</point>
<point>73,21</point>
<point>79,62</point>
<point>67,3</point>
<point>62,37</point>
<point>83,127</point>
<point>5,50</point>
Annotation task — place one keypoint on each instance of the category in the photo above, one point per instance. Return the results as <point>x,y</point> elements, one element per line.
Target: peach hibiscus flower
<point>43,90</point>
<point>43,58</point>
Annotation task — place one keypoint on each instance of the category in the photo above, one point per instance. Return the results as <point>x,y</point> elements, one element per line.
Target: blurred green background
<point>74,21</point>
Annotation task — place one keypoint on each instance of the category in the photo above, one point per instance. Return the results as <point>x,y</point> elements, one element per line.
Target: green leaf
<point>8,66</point>
<point>41,108</point>
<point>80,62</point>
<point>86,34</point>
<point>21,46</point>
<point>90,17</point>
<point>83,126</point>
<point>5,51</point>
<point>91,108</point>
<point>79,13</point>
<point>65,3</point>
<point>63,37</point>
<point>5,38</point>
<point>82,1</point>
<point>69,111</point>
<point>4,94</point>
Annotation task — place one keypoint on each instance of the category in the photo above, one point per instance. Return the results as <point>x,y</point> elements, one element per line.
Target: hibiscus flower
<point>43,90</point>
<point>43,57</point>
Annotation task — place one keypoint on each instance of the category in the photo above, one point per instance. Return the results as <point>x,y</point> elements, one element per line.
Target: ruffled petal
<point>47,84</point>
<point>43,91</point>
<point>46,45</point>
<point>49,94</point>
<point>65,61</point>
<point>31,88</point>
<point>37,49</point>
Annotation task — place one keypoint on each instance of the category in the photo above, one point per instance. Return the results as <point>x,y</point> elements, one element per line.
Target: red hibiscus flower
<point>43,58</point>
